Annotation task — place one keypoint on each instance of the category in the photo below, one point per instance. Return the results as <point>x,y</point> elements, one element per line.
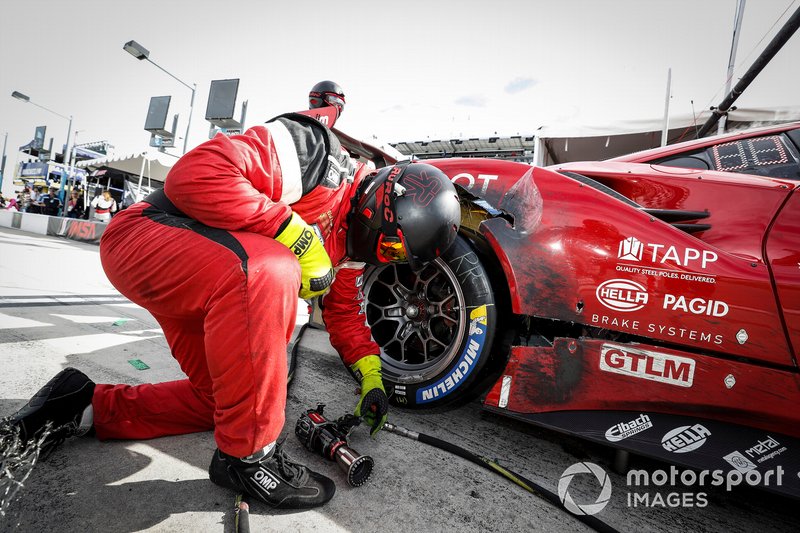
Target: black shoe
<point>61,403</point>
<point>274,480</point>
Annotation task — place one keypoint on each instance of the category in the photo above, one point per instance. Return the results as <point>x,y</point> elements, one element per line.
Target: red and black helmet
<point>326,93</point>
<point>408,212</point>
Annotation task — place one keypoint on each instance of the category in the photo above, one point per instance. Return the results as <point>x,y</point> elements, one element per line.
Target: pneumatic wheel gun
<point>329,439</point>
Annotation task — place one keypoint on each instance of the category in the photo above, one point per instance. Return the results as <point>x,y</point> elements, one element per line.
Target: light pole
<point>140,52</point>
<point>3,163</point>
<point>26,99</point>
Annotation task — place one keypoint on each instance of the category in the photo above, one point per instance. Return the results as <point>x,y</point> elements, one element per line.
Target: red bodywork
<point>688,322</point>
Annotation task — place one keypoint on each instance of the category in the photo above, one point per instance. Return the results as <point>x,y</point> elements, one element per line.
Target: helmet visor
<point>317,100</point>
<point>335,100</point>
<point>391,249</point>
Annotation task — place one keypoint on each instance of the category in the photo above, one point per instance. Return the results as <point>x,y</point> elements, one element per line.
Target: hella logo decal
<point>685,438</point>
<point>622,295</point>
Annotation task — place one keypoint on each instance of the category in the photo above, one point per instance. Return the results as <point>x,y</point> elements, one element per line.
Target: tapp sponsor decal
<point>622,295</point>
<point>465,364</point>
<point>632,249</point>
<point>623,430</point>
<point>644,364</point>
<point>685,439</point>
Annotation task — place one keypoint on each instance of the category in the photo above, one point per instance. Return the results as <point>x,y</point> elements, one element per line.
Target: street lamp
<point>140,52</point>
<point>24,98</point>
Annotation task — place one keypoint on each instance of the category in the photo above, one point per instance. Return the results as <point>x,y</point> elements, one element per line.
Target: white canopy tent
<point>152,167</point>
<point>561,143</point>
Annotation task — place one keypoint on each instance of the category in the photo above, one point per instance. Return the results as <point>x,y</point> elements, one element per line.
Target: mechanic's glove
<point>373,406</point>
<point>315,264</point>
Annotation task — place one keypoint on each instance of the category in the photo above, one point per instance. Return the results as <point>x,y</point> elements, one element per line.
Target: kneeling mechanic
<point>243,226</point>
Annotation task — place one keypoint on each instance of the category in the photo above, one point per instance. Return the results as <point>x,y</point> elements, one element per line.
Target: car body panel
<point>639,286</point>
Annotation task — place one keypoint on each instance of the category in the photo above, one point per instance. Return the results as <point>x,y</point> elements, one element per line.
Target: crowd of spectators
<point>103,206</point>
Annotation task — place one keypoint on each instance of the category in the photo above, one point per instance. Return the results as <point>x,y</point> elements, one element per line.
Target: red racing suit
<point>203,261</point>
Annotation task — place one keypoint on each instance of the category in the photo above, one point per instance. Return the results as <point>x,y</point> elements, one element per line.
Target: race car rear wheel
<point>435,327</point>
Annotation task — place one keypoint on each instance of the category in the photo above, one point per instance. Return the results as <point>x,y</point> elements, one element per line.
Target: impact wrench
<point>530,486</point>
<point>311,440</point>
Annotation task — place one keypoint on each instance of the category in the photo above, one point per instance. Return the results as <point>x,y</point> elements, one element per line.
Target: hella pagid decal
<point>646,364</point>
<point>622,295</point>
<point>685,439</point>
<point>696,306</point>
<point>675,332</point>
<point>623,430</point>
<point>465,364</point>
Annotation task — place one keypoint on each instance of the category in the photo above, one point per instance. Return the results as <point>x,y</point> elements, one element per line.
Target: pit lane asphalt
<point>57,309</point>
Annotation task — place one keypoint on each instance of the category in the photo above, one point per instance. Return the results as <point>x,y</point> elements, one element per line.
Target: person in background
<point>104,207</point>
<point>75,205</point>
<point>51,204</point>
<point>35,205</point>
<point>326,93</point>
<point>24,199</point>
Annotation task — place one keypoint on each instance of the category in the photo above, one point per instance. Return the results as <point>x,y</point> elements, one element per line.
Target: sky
<point>411,69</point>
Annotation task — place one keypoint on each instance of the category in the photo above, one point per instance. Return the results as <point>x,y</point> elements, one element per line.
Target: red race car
<point>649,302</point>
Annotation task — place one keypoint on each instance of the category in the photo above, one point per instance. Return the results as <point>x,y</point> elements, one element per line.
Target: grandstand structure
<point>515,148</point>
<point>553,145</point>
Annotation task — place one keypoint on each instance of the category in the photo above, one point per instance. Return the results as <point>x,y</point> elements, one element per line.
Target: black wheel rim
<point>418,318</point>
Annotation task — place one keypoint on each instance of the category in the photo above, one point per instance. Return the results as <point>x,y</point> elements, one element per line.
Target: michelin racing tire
<point>435,327</point>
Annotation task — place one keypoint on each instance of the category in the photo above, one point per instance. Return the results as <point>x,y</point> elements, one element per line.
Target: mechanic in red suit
<point>224,285</point>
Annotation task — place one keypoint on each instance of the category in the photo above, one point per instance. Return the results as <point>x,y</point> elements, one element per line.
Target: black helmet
<point>326,93</point>
<point>406,212</point>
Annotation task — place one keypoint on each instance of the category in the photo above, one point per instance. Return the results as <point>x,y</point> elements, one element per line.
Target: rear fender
<point>586,257</point>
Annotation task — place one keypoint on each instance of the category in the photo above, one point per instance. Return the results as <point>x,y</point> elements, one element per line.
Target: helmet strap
<point>389,213</point>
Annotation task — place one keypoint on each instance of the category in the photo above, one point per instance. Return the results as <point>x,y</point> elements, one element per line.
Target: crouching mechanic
<point>243,226</point>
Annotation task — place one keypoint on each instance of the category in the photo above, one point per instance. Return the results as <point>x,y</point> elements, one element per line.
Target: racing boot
<point>274,479</point>
<point>65,402</point>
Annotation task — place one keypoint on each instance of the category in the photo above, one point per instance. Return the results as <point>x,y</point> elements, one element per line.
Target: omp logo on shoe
<point>265,479</point>
<point>465,364</point>
<point>645,364</point>
<point>623,430</point>
<point>303,242</point>
<point>622,295</point>
<point>740,462</point>
<point>685,438</point>
<point>587,508</point>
